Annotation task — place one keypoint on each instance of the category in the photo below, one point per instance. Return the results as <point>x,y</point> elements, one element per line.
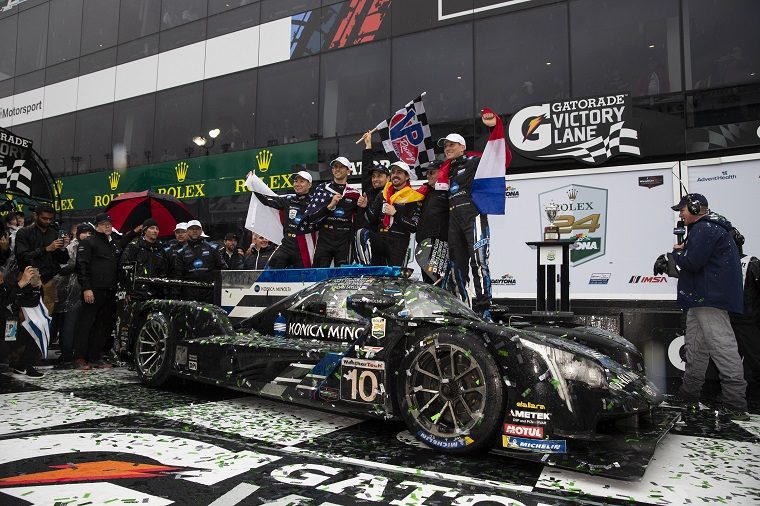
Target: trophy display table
<point>549,255</point>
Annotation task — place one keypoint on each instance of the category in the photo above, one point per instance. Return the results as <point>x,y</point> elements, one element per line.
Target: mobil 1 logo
<point>582,214</point>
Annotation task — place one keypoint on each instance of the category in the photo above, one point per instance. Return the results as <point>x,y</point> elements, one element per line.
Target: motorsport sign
<point>590,130</point>
<point>582,214</point>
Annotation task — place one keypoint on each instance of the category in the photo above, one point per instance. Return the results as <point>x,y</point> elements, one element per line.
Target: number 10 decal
<point>362,381</point>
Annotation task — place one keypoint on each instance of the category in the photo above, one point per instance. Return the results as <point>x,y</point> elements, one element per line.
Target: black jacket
<point>152,262</point>
<point>232,262</point>
<point>361,220</point>
<point>98,262</point>
<point>461,176</point>
<point>197,261</point>
<point>404,221</point>
<point>258,259</point>
<point>434,216</point>
<point>294,207</point>
<point>30,247</point>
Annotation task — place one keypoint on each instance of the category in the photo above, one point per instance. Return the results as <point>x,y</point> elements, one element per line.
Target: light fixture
<point>548,63</point>
<point>202,142</point>
<point>459,77</point>
<point>651,46</point>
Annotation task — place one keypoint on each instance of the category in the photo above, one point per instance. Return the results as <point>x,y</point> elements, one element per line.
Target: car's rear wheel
<point>451,393</point>
<point>153,350</point>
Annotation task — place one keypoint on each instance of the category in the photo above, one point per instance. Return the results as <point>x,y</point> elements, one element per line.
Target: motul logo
<point>648,279</point>
<point>524,431</point>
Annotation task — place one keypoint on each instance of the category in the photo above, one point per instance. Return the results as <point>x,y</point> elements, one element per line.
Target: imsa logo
<point>648,279</point>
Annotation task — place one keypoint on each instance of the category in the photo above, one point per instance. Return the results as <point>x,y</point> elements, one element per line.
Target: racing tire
<point>153,350</point>
<point>451,393</point>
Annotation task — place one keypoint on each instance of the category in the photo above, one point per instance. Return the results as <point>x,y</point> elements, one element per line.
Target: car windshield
<point>422,300</point>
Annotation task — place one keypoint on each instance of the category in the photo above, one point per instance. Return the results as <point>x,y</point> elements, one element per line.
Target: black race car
<point>393,348</point>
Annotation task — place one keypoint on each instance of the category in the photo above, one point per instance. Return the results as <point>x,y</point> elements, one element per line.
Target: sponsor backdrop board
<point>731,189</point>
<point>622,221</point>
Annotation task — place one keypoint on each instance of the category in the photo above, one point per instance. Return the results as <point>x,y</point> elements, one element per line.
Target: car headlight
<point>569,366</point>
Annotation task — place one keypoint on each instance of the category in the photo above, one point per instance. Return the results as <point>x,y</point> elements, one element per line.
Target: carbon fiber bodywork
<point>342,342</point>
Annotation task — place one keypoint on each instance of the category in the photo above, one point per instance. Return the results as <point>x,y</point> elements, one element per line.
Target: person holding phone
<point>41,246</point>
<point>25,292</point>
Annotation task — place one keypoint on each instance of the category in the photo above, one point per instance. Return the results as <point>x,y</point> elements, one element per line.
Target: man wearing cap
<point>469,234</point>
<point>333,207</point>
<point>197,261</point>
<point>433,227</point>
<point>374,178</point>
<point>97,268</point>
<point>294,250</point>
<point>151,259</point>
<point>257,256</point>
<point>40,246</point>
<point>709,286</point>
<point>233,260</point>
<point>395,213</point>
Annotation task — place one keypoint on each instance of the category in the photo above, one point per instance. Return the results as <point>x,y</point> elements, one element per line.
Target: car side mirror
<point>365,303</point>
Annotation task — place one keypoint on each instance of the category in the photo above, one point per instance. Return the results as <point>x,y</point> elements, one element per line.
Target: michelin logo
<point>534,445</point>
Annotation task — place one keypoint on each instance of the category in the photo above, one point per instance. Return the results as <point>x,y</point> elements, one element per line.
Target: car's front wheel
<point>153,350</point>
<point>451,392</point>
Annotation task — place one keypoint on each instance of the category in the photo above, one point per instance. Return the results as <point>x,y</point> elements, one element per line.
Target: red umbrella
<point>130,209</point>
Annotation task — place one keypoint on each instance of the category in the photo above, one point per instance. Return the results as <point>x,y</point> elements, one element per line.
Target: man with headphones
<point>709,286</point>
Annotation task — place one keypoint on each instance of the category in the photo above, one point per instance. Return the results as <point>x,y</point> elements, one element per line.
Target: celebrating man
<point>333,207</point>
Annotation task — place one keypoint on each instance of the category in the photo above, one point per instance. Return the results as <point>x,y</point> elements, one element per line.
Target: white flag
<point>261,219</point>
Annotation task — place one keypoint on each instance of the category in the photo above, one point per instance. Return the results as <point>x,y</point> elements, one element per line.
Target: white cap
<point>343,161</point>
<point>194,223</point>
<point>304,175</point>
<point>181,226</point>
<point>203,234</point>
<point>453,138</point>
<point>403,166</point>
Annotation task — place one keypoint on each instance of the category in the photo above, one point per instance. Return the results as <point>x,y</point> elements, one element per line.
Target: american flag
<point>18,179</point>
<point>324,194</point>
<point>406,134</point>
<point>598,150</point>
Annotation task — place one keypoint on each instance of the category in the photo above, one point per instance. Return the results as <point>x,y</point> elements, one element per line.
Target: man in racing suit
<point>151,259</point>
<point>197,261</point>
<point>433,228</point>
<point>395,213</point>
<point>293,252</point>
<point>469,234</point>
<point>332,208</point>
<point>374,178</point>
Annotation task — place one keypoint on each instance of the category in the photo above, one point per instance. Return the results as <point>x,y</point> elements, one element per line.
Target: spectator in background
<point>97,268</point>
<point>151,258</point>
<point>69,301</point>
<point>40,246</point>
<point>258,254</point>
<point>232,256</point>
<point>24,293</point>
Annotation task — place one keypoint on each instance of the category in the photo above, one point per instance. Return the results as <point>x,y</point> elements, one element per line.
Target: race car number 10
<point>362,381</point>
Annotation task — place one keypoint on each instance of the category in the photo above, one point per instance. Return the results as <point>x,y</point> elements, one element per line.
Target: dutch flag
<point>489,186</point>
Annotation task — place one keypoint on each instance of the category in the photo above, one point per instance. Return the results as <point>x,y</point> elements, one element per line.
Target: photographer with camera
<point>23,297</point>
<point>42,246</point>
<point>709,287</point>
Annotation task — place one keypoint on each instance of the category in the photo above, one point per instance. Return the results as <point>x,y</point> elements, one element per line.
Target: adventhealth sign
<point>207,176</point>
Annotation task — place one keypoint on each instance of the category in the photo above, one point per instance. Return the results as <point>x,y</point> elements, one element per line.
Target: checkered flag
<point>406,134</point>
<point>17,179</point>
<point>598,150</point>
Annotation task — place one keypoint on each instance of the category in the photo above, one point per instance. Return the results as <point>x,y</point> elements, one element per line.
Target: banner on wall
<point>622,220</point>
<point>590,130</point>
<point>731,189</point>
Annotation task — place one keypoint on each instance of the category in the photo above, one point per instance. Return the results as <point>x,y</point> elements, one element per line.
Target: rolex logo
<point>264,158</point>
<point>572,193</point>
<point>58,187</point>
<point>113,180</point>
<point>181,170</point>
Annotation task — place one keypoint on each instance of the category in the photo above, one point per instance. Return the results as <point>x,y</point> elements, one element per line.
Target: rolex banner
<point>590,130</point>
